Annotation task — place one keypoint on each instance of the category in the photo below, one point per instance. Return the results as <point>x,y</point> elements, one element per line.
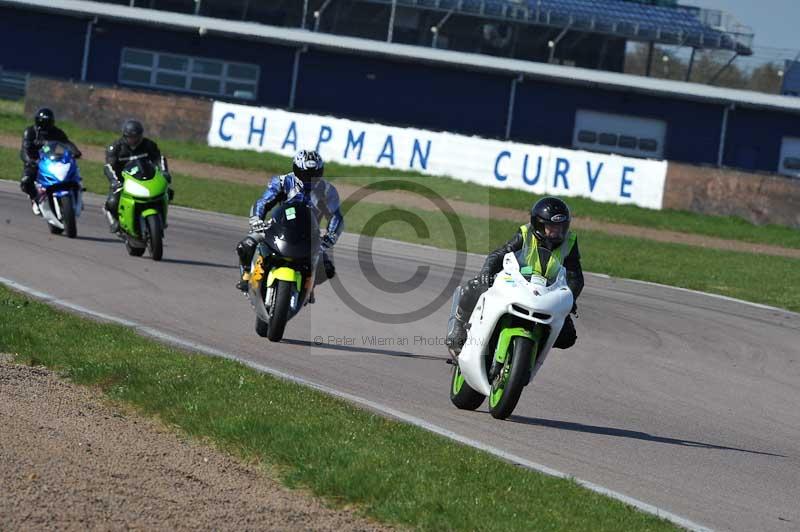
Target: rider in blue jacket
<point>305,184</point>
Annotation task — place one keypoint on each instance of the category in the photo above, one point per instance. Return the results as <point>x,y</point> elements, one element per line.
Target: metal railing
<point>716,29</point>
<point>722,32</point>
<point>12,84</point>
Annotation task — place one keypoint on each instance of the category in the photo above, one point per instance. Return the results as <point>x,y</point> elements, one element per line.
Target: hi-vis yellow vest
<point>530,252</point>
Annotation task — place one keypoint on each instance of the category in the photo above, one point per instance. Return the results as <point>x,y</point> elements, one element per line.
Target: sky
<point>775,22</point>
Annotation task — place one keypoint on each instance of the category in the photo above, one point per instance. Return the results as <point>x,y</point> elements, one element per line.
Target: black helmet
<point>44,118</point>
<point>308,166</point>
<point>550,220</point>
<point>133,132</point>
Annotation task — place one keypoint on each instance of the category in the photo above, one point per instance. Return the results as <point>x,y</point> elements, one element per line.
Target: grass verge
<point>394,472</point>
<point>761,279</point>
<point>12,121</point>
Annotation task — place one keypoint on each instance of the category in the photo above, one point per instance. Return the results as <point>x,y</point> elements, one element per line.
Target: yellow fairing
<point>284,274</point>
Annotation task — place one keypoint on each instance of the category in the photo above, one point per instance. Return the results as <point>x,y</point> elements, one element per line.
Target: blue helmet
<point>308,166</point>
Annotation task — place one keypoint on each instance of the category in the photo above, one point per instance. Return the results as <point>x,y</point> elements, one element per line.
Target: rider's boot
<point>330,269</point>
<point>35,208</point>
<point>244,281</point>
<point>456,325</point>
<point>456,334</point>
<point>113,221</point>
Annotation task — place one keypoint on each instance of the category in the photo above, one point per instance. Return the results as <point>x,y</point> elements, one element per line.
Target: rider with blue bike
<point>34,137</point>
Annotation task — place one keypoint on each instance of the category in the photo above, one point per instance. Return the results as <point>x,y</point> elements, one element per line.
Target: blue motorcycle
<point>59,189</point>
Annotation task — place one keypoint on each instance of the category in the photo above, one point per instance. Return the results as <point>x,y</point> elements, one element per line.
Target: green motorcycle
<point>143,208</point>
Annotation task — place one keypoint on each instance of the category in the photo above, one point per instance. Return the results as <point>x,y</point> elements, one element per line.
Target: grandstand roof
<point>300,37</point>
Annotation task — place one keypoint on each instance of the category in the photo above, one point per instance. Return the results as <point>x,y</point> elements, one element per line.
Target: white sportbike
<point>511,331</point>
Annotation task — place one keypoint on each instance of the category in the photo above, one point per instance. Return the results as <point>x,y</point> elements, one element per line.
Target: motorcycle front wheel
<point>507,386</point>
<point>155,232</point>
<point>279,311</point>
<point>68,216</point>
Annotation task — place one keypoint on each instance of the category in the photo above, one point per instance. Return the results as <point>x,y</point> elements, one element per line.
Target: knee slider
<point>112,202</point>
<point>246,248</point>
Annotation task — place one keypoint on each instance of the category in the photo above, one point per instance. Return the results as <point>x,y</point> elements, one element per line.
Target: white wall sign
<point>494,163</point>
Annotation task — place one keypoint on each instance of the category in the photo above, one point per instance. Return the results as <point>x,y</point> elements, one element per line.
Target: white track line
<point>387,410</point>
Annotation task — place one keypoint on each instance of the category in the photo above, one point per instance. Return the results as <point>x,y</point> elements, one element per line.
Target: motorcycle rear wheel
<point>262,327</point>
<point>461,394</point>
<point>134,251</point>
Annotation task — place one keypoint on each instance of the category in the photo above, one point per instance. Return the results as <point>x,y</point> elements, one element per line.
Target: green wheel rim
<point>497,392</point>
<point>458,381</point>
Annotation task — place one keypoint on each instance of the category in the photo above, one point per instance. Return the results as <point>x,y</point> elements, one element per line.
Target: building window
<point>622,134</point>
<point>160,70</point>
<point>607,139</point>
<point>791,163</point>
<point>589,137</point>
<point>626,141</point>
<point>648,144</point>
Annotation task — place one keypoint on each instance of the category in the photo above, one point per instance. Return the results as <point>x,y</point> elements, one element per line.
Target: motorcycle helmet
<point>308,166</point>
<point>133,133</point>
<point>44,118</point>
<point>550,219</point>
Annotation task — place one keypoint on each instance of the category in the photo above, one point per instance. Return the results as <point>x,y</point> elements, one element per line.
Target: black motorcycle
<point>284,268</point>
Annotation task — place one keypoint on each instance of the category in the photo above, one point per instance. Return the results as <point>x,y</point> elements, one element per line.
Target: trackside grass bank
<point>12,122</point>
<point>393,472</point>
<point>762,279</point>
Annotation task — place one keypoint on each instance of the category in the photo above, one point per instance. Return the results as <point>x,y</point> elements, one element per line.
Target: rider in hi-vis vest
<point>545,244</point>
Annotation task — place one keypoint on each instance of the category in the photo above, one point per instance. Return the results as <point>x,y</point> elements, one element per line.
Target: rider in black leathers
<point>43,130</point>
<point>132,145</point>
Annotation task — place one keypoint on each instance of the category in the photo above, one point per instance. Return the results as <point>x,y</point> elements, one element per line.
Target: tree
<point>709,68</point>
<point>767,78</point>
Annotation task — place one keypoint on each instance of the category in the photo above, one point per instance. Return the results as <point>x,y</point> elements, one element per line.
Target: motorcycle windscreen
<point>141,169</point>
<point>294,233</point>
<point>55,151</point>
<point>55,164</point>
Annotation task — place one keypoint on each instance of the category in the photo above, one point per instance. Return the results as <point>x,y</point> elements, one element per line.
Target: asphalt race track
<point>688,402</point>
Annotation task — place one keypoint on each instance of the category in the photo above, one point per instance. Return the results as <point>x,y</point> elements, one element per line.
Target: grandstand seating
<point>658,21</point>
<point>673,25</point>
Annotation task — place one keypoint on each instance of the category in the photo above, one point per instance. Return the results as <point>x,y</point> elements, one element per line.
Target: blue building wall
<point>41,43</point>
<point>754,138</point>
<point>545,114</point>
<point>399,93</point>
<point>394,92</point>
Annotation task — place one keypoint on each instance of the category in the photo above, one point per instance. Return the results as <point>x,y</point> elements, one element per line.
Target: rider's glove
<point>327,242</point>
<point>257,225</point>
<point>486,278</point>
<point>574,309</point>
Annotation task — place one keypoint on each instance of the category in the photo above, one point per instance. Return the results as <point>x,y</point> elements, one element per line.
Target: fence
<point>12,84</point>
